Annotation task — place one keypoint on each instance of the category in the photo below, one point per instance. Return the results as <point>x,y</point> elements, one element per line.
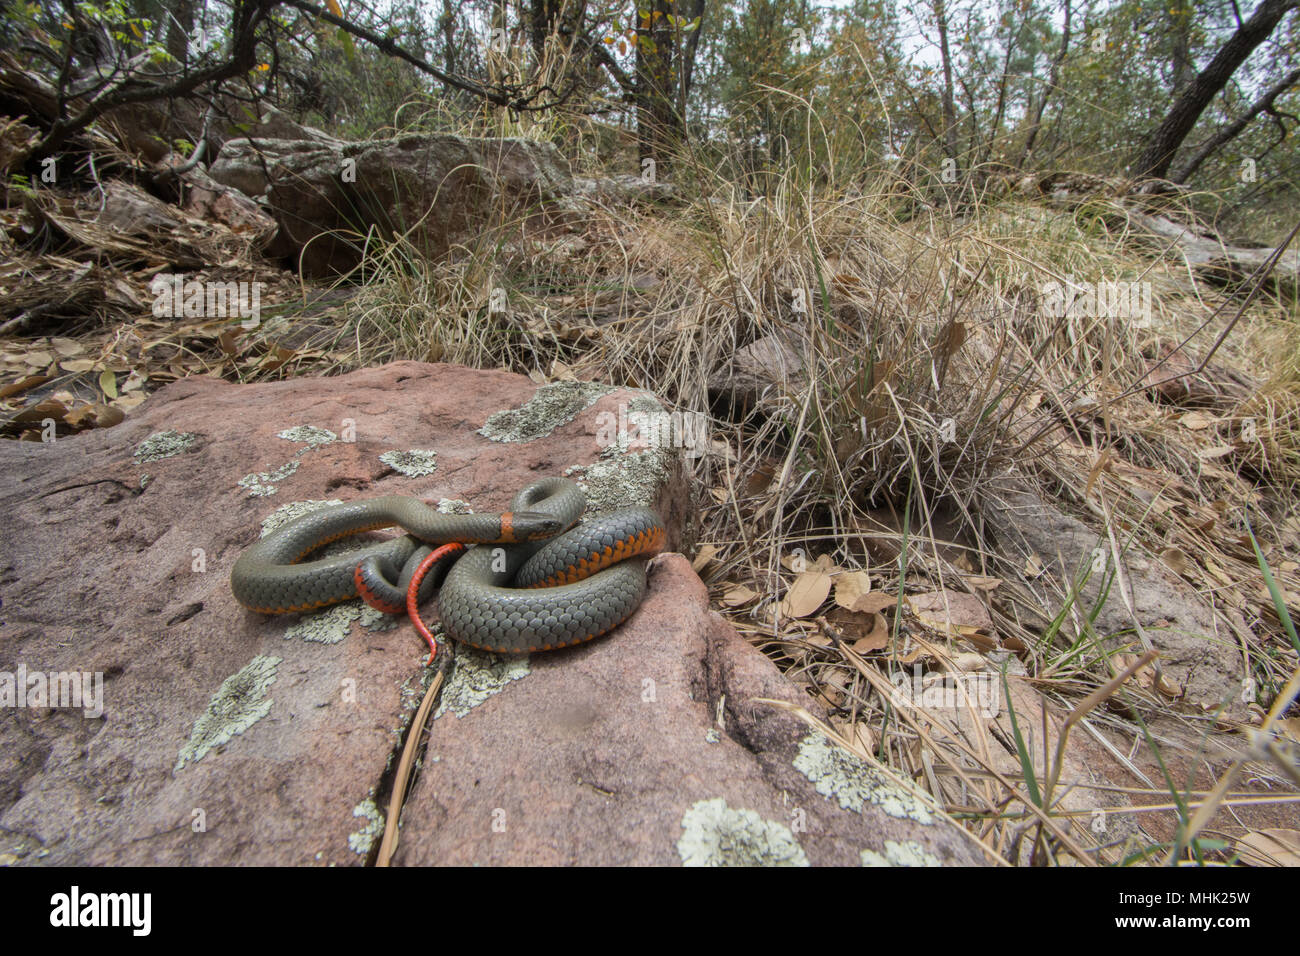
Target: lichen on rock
<point>325,627</point>
<point>162,445</point>
<point>476,677</point>
<point>362,840</point>
<point>413,463</point>
<point>841,776</point>
<point>262,483</point>
<point>716,835</point>
<point>237,705</point>
<point>550,407</point>
<point>312,436</point>
<point>901,853</point>
<point>293,511</point>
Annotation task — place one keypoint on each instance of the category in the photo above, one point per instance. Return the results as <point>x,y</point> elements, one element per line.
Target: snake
<point>534,580</point>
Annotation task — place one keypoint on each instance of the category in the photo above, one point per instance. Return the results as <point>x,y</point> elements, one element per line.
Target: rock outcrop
<point>202,733</point>
<point>434,189</point>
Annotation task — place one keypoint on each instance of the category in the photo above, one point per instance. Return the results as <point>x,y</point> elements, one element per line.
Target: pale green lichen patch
<point>237,705</point>
<point>361,842</point>
<point>476,677</point>
<point>454,506</point>
<point>310,435</point>
<point>375,620</point>
<point>162,445</point>
<point>294,510</point>
<point>550,407</point>
<point>904,853</point>
<point>716,835</point>
<point>261,484</point>
<point>621,481</point>
<point>840,775</point>
<point>325,627</point>
<point>413,463</point>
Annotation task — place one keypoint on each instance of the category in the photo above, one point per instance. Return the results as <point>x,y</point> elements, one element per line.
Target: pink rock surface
<point>601,754</point>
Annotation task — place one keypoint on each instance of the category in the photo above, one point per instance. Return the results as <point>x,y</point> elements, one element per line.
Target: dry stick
<point>389,842</point>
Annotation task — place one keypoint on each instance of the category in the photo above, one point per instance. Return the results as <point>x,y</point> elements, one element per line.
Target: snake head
<point>533,525</point>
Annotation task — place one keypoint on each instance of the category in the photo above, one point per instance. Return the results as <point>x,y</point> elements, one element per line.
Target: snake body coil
<point>525,595</point>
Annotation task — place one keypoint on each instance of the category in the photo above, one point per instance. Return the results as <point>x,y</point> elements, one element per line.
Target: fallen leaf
<point>877,639</point>
<point>1270,848</point>
<point>1175,559</point>
<point>23,385</point>
<point>50,408</point>
<point>851,585</point>
<point>807,593</point>
<point>1033,567</point>
<point>949,611</point>
<point>737,595</point>
<point>703,556</point>
<point>1196,421</point>
<point>968,661</point>
<point>108,383</point>
<point>38,359</point>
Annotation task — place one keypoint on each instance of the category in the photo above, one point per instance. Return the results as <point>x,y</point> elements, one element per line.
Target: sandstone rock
<point>763,370</point>
<point>440,187</point>
<point>226,737</point>
<point>1172,377</point>
<point>1199,658</point>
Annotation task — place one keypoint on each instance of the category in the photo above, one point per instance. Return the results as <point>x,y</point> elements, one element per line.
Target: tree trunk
<point>1053,83</point>
<point>1154,160</point>
<point>1230,132</point>
<point>949,110</point>
<point>179,27</point>
<point>659,127</point>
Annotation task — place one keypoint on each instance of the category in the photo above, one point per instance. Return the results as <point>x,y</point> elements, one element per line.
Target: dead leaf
<point>1214,451</point>
<point>738,594</point>
<point>1270,848</point>
<point>23,385</point>
<point>38,359</point>
<point>877,639</point>
<point>50,408</point>
<point>108,384</point>
<point>1175,559</point>
<point>807,594</point>
<point>950,611</point>
<point>1196,421</point>
<point>703,556</point>
<point>851,585</point>
<point>1033,567</point>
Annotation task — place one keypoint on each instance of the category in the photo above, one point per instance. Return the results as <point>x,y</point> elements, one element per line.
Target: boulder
<point>436,189</point>
<point>203,733</point>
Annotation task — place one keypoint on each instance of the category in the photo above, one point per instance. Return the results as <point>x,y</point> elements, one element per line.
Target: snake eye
<point>532,525</point>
